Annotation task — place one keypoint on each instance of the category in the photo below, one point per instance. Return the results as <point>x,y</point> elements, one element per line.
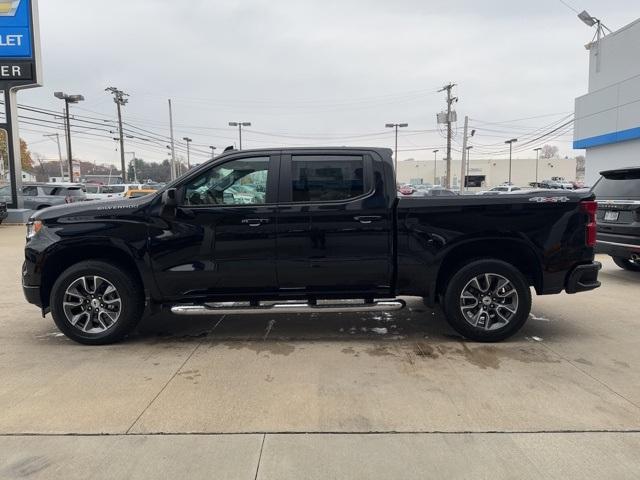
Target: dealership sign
<point>19,49</point>
<point>19,68</point>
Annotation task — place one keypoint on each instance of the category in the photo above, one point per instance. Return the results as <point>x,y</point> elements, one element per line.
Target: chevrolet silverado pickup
<point>306,230</point>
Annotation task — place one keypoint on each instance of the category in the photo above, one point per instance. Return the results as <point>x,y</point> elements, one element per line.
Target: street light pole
<point>435,166</point>
<point>537,150</point>
<point>240,125</point>
<point>396,126</point>
<point>68,99</point>
<point>135,173</point>
<point>188,140</point>
<point>510,143</point>
<point>466,183</point>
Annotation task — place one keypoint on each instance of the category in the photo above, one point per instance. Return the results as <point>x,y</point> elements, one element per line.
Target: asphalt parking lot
<point>338,396</point>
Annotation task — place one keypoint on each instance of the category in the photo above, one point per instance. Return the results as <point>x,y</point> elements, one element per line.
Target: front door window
<point>240,182</point>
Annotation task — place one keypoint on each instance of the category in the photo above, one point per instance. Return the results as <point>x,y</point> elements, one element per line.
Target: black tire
<point>127,288</point>
<point>456,286</point>
<point>626,264</point>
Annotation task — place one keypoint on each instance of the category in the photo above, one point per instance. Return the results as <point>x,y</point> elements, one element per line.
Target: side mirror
<point>170,198</point>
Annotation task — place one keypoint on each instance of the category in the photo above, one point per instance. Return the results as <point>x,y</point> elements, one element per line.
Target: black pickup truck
<point>301,230</point>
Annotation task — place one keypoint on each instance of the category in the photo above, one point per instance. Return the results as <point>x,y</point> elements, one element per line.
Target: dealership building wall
<point>608,117</point>
<point>494,171</point>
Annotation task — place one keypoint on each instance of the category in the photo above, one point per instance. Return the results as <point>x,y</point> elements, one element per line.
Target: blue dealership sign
<point>16,30</point>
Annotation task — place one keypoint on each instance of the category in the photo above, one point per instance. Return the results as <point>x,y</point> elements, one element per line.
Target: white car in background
<point>110,192</point>
<point>501,190</point>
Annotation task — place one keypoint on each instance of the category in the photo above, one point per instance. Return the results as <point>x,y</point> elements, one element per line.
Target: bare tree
<point>549,151</point>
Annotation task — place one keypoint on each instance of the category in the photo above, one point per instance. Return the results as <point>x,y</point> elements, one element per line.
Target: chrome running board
<point>243,308</point>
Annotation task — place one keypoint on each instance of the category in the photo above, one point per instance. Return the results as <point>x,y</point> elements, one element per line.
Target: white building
<point>608,117</point>
<point>488,173</point>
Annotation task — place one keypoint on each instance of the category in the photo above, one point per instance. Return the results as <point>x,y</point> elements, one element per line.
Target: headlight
<point>33,228</point>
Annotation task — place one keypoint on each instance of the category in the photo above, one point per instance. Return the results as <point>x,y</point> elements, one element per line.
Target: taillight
<point>591,208</point>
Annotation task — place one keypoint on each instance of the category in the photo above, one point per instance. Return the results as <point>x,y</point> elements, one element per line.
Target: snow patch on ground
<point>380,331</point>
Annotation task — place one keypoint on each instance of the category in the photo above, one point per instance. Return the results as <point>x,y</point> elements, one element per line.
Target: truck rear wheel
<point>96,303</point>
<point>487,301</point>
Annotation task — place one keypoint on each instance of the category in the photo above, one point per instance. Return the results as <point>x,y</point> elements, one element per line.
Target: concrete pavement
<point>318,396</point>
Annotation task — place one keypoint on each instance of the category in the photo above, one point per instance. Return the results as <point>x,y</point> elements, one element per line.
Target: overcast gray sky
<point>316,72</point>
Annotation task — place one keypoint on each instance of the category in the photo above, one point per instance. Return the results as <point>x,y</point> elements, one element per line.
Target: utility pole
<point>240,125</point>
<point>537,150</point>
<point>435,167</point>
<point>188,140</point>
<point>510,143</point>
<point>449,121</point>
<point>173,143</point>
<point>120,99</point>
<point>213,152</point>
<point>57,140</point>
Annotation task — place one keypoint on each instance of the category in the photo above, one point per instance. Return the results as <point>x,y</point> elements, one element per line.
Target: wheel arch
<point>513,251</point>
<point>64,258</point>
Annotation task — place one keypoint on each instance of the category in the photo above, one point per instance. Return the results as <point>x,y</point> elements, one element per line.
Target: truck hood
<point>99,209</point>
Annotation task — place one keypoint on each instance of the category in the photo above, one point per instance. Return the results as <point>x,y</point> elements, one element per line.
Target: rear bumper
<point>617,245</point>
<point>584,278</point>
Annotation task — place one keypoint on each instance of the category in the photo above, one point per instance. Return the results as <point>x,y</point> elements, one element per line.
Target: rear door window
<point>327,178</point>
<point>623,185</point>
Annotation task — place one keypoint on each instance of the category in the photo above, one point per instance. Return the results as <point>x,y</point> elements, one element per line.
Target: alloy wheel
<point>489,302</point>
<point>92,304</point>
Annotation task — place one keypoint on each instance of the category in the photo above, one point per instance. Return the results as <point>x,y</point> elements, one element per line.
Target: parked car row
<point>425,190</point>
<point>38,196</point>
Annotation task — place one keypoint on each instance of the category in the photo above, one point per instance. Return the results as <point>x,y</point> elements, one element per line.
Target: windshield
<point>622,185</point>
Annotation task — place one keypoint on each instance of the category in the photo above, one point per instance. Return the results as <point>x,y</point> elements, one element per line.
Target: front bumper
<point>32,294</point>
<point>584,278</point>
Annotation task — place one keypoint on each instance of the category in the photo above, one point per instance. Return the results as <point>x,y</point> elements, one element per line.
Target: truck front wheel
<point>487,301</point>
<point>96,303</point>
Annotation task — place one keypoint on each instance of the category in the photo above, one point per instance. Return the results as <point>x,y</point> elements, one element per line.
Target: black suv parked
<point>618,194</point>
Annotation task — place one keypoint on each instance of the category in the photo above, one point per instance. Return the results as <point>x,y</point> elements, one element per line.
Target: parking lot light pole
<point>68,99</point>
<point>188,140</point>
<point>133,160</point>
<point>510,143</point>
<point>396,126</point>
<point>435,166</point>
<point>466,182</point>
<point>537,150</point>
<point>240,125</point>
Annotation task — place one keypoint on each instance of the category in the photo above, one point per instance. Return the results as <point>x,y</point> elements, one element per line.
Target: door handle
<point>255,222</point>
<point>367,220</point>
